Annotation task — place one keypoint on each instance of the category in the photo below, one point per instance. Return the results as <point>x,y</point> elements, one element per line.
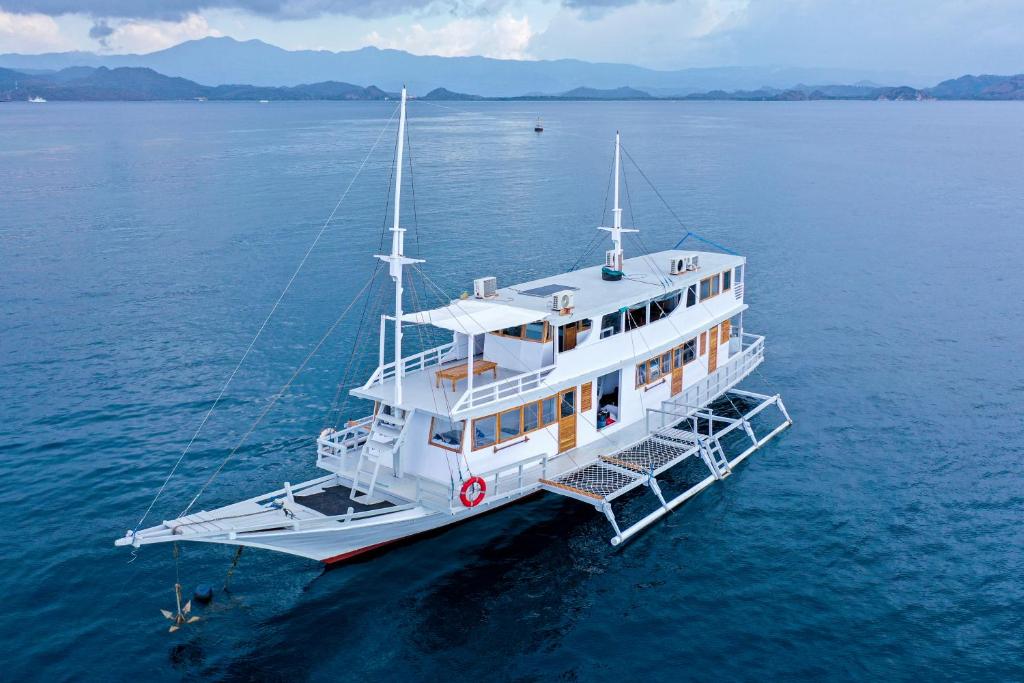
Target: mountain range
<point>85,83</point>
<point>216,61</point>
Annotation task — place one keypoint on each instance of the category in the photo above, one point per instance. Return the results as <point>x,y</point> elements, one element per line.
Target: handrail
<point>497,391</point>
<point>418,361</point>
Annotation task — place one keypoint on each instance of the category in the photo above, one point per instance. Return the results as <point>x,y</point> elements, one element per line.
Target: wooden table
<point>461,371</point>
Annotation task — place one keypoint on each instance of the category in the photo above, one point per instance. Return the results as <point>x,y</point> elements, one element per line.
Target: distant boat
<point>36,100</point>
<point>264,101</point>
<point>538,127</point>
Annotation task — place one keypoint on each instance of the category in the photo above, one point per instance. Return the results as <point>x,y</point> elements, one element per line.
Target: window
<point>677,357</point>
<point>511,424</point>
<point>547,411</point>
<point>691,296</point>
<point>703,343</point>
<point>714,285</point>
<point>705,288</point>
<point>568,403</point>
<point>586,396</point>
<point>535,331</point>
<point>446,434</point>
<point>485,431</point>
<point>611,323</point>
<point>654,369</point>
<point>641,374</point>
<point>531,417</point>
<point>636,317</point>
<point>689,351</point>
<point>663,306</point>
<point>739,274</point>
<point>726,280</point>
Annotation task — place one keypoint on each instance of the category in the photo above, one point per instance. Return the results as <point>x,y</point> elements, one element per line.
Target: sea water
<point>142,245</point>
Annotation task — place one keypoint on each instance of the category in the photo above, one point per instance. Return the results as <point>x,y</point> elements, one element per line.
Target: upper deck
<point>630,308</point>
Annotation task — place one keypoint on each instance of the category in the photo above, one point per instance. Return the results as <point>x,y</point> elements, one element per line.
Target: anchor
<point>182,617</point>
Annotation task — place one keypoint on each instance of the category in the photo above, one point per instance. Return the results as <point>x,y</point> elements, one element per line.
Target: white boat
<point>36,100</point>
<point>579,384</point>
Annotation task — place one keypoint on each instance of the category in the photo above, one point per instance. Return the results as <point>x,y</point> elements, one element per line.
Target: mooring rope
<point>263,326</point>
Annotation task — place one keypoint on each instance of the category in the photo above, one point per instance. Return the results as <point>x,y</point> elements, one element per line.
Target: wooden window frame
<point>522,333</point>
<point>726,275</point>
<point>473,444</point>
<point>586,396</point>
<point>462,436</point>
<point>499,439</point>
<point>703,343</point>
<point>725,328</point>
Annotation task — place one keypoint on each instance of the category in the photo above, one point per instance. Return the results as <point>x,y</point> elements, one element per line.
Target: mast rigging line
<point>281,392</point>
<point>263,325</point>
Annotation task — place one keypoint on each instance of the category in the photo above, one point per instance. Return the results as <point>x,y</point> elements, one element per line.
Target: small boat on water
<point>36,100</point>
<point>578,384</point>
<point>539,126</point>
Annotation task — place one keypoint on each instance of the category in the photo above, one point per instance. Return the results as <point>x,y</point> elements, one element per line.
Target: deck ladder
<point>387,432</point>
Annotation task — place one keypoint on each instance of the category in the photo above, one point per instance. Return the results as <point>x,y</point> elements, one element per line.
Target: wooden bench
<point>461,371</point>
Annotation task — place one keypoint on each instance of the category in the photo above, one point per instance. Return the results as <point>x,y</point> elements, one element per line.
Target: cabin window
<point>654,369</point>
<point>691,296</point>
<point>677,357</point>
<point>568,403</point>
<point>485,430</point>
<point>611,323</point>
<point>636,317</point>
<point>547,411</point>
<point>705,288</point>
<point>535,331</point>
<point>690,351</point>
<point>739,274</point>
<point>703,343</point>
<point>531,416</point>
<point>641,374</point>
<point>726,280</point>
<point>714,285</point>
<point>511,424</point>
<point>446,433</point>
<point>660,308</point>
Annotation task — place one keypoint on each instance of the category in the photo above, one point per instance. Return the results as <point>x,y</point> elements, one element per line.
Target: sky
<point>927,38</point>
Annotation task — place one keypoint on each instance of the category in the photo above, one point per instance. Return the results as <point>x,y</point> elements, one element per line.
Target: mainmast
<point>616,230</point>
<point>397,259</point>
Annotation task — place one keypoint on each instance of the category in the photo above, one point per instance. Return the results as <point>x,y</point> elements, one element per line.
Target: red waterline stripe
<point>344,556</point>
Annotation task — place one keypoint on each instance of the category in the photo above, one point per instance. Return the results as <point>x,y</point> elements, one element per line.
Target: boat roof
<point>646,277</point>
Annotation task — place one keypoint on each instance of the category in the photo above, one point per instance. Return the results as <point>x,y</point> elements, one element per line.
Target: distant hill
<point>443,94</point>
<point>214,61</point>
<point>623,93</point>
<point>980,88</point>
<point>133,83</point>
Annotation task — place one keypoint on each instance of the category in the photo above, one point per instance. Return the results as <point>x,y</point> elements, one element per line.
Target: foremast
<point>616,230</point>
<point>397,259</point>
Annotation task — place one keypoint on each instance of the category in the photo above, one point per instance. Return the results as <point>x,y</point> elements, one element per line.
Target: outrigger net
<point>595,480</point>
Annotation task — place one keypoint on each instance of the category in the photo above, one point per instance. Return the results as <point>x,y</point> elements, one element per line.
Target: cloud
<point>178,10</point>
<point>504,38</point>
<point>100,31</point>
<point>30,33</point>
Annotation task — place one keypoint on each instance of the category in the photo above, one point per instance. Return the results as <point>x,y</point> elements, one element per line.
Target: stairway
<point>387,432</point>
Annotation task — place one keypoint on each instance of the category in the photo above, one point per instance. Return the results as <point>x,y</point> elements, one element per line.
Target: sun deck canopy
<point>472,316</point>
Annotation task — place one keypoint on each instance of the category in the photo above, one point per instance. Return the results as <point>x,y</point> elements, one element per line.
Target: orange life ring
<point>473,491</point>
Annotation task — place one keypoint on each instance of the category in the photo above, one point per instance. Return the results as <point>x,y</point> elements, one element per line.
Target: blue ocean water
<point>880,538</point>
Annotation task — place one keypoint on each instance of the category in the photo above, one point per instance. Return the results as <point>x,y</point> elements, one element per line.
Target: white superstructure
<point>588,384</point>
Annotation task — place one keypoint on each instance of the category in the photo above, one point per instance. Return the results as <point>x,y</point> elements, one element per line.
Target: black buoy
<point>203,593</point>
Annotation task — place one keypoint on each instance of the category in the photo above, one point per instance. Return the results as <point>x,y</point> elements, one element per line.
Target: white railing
<point>414,363</point>
<point>708,388</point>
<point>337,444</point>
<point>499,391</point>
<point>503,482</point>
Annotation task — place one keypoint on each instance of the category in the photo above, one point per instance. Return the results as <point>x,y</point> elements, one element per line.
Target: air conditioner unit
<point>678,265</point>
<point>564,300</point>
<point>485,287</point>
<point>694,263</point>
<point>609,259</point>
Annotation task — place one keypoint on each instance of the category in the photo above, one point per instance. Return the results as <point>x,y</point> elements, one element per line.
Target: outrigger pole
<point>397,259</point>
